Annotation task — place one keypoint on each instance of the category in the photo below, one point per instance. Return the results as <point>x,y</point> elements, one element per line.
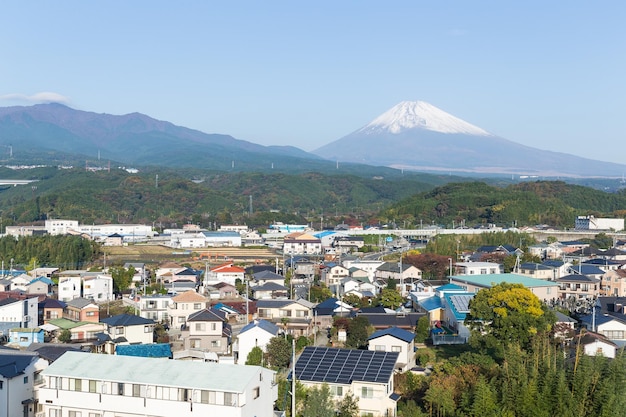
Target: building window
<point>215,343</point>
<point>147,329</point>
<point>230,399</point>
<point>396,348</point>
<point>336,390</point>
<point>256,392</point>
<point>74,414</point>
<point>26,379</point>
<point>213,326</point>
<point>92,385</point>
<point>55,413</point>
<point>76,384</point>
<point>197,306</point>
<point>95,415</point>
<point>91,313</point>
<point>119,330</point>
<point>367,392</point>
<point>207,397</point>
<point>194,343</point>
<point>379,348</point>
<point>1,384</point>
<point>136,390</point>
<point>120,388</point>
<point>200,327</point>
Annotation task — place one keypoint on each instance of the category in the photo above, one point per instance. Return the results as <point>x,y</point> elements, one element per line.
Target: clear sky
<point>547,74</point>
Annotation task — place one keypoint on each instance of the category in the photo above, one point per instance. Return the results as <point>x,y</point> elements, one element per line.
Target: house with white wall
<point>394,339</point>
<point>19,376</point>
<point>367,374</point>
<point>18,312</point>
<point>182,305</point>
<point>257,333</point>
<point>135,329</point>
<point>106,385</point>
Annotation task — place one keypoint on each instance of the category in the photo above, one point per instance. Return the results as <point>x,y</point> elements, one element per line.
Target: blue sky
<point>545,74</point>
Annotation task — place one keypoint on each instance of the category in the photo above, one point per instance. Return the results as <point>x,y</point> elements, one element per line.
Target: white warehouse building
<point>593,223</point>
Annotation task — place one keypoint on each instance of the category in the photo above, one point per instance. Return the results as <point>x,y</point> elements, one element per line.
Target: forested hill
<point>529,203</point>
<point>166,197</point>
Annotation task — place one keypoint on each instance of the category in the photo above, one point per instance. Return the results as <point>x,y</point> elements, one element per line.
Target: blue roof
<point>449,287</point>
<point>431,303</point>
<point>12,365</point>
<point>261,324</point>
<point>396,332</point>
<point>126,320</point>
<point>45,280</point>
<point>324,233</point>
<point>459,304</point>
<point>585,269</point>
<point>152,350</point>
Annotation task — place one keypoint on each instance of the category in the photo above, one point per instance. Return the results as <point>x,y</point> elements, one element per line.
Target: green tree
<point>422,329</point>
<point>122,277</point>
<point>255,357</point>
<point>65,336</point>
<point>348,406</point>
<point>278,352</point>
<point>320,293</point>
<point>390,298</point>
<point>318,402</point>
<point>507,313</point>
<point>357,332</point>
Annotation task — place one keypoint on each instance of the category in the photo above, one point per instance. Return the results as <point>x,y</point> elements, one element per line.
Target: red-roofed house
<point>227,273</point>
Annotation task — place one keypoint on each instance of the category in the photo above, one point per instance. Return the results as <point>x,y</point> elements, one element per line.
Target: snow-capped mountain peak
<point>419,114</point>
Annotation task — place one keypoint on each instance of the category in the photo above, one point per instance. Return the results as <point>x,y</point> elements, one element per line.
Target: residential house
<point>302,244</point>
<point>50,309</point>
<point>406,276</point>
<point>98,287</point>
<point>332,274</point>
<point>82,309</point>
<point>301,267</point>
<point>266,276</point>
<point>107,385</point>
<point>346,244</point>
<point>183,305</point>
<point>226,272</point>
<point>69,287</point>
<point>221,290</point>
<point>80,331</point>
<point>208,330</point>
<point>40,285</point>
<point>544,290</point>
<point>394,339</point>
<point>434,305</point>
<point>477,268</point>
<point>613,283</point>
<point>134,329</point>
<point>578,286</point>
<point>24,337</point>
<point>269,290</point>
<point>369,266</point>
<point>456,308</point>
<point>114,239</point>
<point>294,317</point>
<point>165,271</point>
<point>154,307</point>
<point>595,344</point>
<point>537,271</point>
<point>18,312</point>
<point>367,374</point>
<point>257,333</point>
<point>19,375</point>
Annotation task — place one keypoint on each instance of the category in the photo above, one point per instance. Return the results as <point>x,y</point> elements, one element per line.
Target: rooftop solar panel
<point>322,364</point>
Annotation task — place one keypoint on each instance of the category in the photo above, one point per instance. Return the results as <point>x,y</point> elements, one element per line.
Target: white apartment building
<point>16,313</point>
<point>92,385</point>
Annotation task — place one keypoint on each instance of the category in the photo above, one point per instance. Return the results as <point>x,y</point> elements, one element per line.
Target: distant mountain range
<point>419,136</point>
<point>412,136</point>
<point>58,133</point>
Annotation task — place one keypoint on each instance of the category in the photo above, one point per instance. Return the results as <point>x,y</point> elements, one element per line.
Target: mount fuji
<point>417,136</point>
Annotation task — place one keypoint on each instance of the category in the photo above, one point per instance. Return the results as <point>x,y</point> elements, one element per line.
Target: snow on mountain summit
<point>419,114</point>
